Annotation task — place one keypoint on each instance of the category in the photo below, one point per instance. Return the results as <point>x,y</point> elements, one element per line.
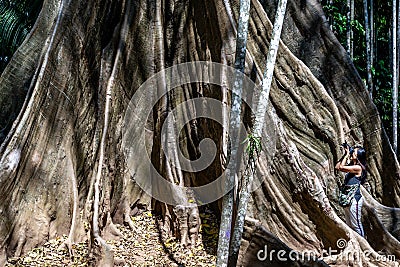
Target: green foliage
<point>16,20</point>
<point>253,149</point>
<point>381,68</point>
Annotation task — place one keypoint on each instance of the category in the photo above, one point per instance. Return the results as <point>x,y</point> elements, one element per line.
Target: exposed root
<point>108,253</point>
<point>380,237</point>
<point>67,244</point>
<point>21,242</point>
<point>166,226</point>
<point>182,218</point>
<point>108,259</point>
<point>71,237</point>
<point>127,217</point>
<point>3,257</point>
<point>113,228</point>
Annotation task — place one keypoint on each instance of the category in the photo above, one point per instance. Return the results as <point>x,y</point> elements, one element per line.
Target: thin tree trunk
<point>257,129</point>
<point>351,32</point>
<point>368,47</point>
<point>228,199</point>
<point>348,30</point>
<point>371,20</point>
<point>397,45</point>
<point>330,18</point>
<point>394,73</point>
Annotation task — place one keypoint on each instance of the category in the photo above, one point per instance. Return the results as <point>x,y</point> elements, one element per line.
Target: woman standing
<point>353,163</point>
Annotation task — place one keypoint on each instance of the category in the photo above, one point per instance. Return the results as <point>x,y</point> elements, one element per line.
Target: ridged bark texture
<point>317,100</point>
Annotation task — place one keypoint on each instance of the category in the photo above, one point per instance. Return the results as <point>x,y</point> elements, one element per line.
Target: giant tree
<point>63,169</point>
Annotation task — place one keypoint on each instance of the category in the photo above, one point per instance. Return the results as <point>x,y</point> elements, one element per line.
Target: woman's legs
<point>353,216</point>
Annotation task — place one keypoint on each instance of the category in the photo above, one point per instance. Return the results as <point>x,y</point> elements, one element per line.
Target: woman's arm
<point>341,165</point>
<point>351,168</point>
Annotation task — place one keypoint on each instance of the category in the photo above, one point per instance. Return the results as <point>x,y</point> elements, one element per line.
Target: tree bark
<point>372,31</point>
<point>227,218</point>
<point>349,27</point>
<point>394,73</point>
<point>368,47</point>
<point>317,100</point>
<point>351,30</point>
<point>259,122</point>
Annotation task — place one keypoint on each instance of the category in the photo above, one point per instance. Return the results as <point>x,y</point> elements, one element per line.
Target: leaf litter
<point>141,246</point>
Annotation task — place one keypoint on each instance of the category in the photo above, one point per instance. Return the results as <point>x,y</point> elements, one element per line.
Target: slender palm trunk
<point>351,30</point>
<point>258,127</point>
<point>330,18</point>
<point>228,199</point>
<point>348,30</point>
<point>368,47</point>
<point>394,73</point>
<point>371,23</point>
<point>397,44</point>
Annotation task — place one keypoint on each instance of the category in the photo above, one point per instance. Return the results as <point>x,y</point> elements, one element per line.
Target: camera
<point>346,145</point>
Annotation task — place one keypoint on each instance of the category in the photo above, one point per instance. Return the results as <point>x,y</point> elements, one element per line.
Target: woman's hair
<point>362,160</point>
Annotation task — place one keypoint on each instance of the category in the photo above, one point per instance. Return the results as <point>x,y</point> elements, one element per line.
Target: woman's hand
<point>346,151</point>
<point>341,165</point>
<point>343,161</point>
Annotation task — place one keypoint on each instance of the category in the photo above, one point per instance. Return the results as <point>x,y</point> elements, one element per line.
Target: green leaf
<point>253,149</point>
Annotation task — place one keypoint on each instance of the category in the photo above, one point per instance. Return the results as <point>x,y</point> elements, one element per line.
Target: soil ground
<point>139,247</point>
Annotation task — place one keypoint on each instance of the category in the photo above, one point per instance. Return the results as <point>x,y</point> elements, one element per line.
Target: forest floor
<point>139,247</point>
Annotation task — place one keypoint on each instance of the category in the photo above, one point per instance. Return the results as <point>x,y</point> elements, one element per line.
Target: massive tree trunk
<point>63,157</point>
